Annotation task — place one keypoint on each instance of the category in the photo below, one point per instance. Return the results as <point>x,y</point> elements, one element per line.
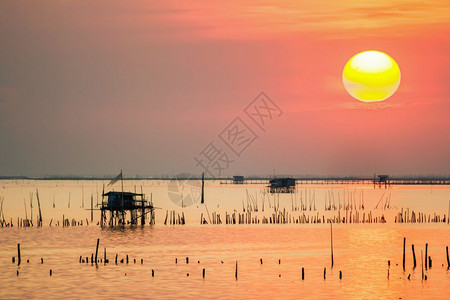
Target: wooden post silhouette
<point>332,259</point>
<point>404,244</point>
<point>96,251</point>
<point>39,208</point>
<point>448,214</point>
<point>414,256</point>
<point>421,258</point>
<point>92,208</point>
<point>448,260</point>
<point>19,259</point>
<point>203,188</point>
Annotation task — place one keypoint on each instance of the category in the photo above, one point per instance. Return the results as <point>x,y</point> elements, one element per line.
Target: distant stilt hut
<point>238,179</point>
<point>119,203</point>
<point>382,179</point>
<point>282,185</point>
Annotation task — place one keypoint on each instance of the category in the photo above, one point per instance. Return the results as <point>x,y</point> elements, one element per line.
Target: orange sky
<point>93,87</point>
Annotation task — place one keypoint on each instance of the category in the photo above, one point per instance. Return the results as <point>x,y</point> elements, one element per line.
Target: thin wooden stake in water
<point>421,258</point>
<point>39,208</point>
<point>448,214</point>
<point>96,251</point>
<point>203,188</point>
<point>404,244</point>
<point>25,205</point>
<point>92,208</point>
<point>426,256</point>
<point>19,259</point>
<point>236,271</point>
<point>448,260</point>
<point>414,256</point>
<point>332,259</point>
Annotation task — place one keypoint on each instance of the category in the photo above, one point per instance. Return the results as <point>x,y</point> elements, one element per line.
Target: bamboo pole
<point>448,259</point>
<point>202,201</point>
<point>332,259</point>
<point>92,208</point>
<point>404,244</point>
<point>421,255</point>
<point>96,250</point>
<point>18,255</point>
<point>39,209</point>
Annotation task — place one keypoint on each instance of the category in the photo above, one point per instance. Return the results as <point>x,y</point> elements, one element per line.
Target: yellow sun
<point>371,76</point>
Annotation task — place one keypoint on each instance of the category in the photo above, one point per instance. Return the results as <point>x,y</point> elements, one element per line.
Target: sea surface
<point>167,261</point>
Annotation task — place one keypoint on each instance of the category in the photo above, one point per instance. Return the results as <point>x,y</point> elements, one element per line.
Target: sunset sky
<point>92,87</point>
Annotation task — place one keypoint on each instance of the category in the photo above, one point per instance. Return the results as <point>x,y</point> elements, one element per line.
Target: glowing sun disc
<point>371,76</point>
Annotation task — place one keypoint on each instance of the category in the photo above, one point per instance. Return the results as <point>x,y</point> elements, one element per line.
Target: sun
<point>371,76</point>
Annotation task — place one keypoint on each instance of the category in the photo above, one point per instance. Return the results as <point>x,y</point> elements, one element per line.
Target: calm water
<point>361,251</point>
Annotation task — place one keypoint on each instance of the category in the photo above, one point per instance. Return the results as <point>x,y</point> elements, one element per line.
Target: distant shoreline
<point>442,180</point>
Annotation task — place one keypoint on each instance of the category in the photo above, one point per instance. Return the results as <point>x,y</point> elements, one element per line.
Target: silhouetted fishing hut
<point>238,179</point>
<point>119,203</point>
<point>382,179</point>
<point>282,185</point>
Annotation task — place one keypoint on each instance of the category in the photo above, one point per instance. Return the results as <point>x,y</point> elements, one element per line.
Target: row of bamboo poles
<point>279,217</point>
<point>174,218</point>
<point>65,223</point>
<point>305,200</point>
<point>349,217</point>
<point>70,222</point>
<point>284,217</point>
<point>352,205</point>
<point>407,217</point>
<point>27,222</point>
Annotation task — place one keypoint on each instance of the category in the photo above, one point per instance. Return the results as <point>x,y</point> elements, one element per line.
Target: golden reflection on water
<point>361,252</point>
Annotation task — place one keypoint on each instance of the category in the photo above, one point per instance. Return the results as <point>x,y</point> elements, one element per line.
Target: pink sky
<point>90,88</point>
